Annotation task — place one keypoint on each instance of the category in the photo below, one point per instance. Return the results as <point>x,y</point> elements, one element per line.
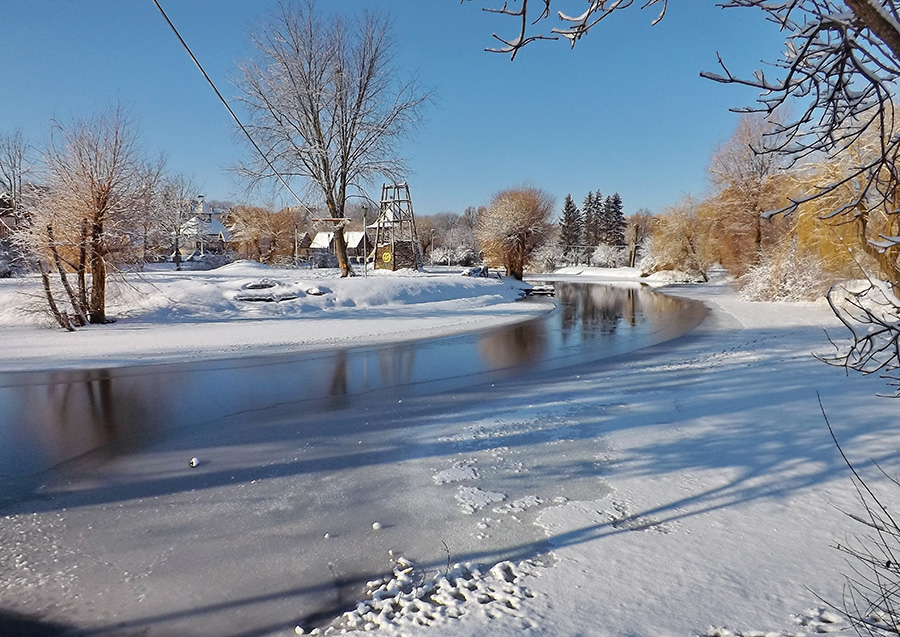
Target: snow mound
<point>406,598</point>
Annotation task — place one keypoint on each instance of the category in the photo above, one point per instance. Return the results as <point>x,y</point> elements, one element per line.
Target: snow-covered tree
<point>16,165</point>
<point>547,258</point>
<point>93,196</point>
<point>608,256</point>
<point>747,184</point>
<point>325,104</point>
<point>593,209</point>
<point>516,223</point>
<point>174,210</point>
<point>678,243</point>
<point>611,222</point>
<point>638,230</point>
<point>571,229</point>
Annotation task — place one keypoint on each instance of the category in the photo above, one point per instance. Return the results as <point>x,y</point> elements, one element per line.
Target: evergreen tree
<point>571,227</point>
<point>611,227</point>
<point>592,209</point>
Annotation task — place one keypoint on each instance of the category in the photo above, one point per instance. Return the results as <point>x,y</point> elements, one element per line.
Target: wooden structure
<point>396,241</point>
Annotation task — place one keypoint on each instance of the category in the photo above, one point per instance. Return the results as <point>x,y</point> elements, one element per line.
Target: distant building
<point>205,232</point>
<point>358,243</point>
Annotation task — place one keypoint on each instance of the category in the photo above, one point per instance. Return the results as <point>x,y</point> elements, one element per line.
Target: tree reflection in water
<point>51,417</point>
<point>522,344</point>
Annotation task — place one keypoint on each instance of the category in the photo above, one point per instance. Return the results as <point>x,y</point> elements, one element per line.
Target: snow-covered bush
<point>789,274</point>
<point>546,259</point>
<point>323,259</point>
<point>607,256</point>
<point>464,256</point>
<point>460,255</point>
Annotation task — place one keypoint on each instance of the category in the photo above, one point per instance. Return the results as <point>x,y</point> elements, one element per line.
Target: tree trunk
<point>82,265</point>
<point>340,250</point>
<point>73,299</point>
<point>887,258</point>
<point>60,317</point>
<point>97,302</point>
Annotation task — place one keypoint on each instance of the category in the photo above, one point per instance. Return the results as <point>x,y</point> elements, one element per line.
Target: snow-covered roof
<point>198,227</point>
<point>322,240</point>
<point>354,239</point>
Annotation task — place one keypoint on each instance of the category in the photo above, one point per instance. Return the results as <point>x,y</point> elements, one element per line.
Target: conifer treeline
<point>599,222</point>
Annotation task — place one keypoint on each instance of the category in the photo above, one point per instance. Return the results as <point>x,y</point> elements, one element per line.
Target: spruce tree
<point>592,209</point>
<point>616,213</point>
<point>571,227</point>
<point>611,225</point>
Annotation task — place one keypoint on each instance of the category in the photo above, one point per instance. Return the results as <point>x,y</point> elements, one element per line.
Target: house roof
<point>198,227</point>
<point>355,239</point>
<point>322,240</point>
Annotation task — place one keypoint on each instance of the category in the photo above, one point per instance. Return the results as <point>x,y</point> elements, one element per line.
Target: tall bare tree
<point>748,183</point>
<point>15,167</point>
<point>94,192</point>
<point>176,192</point>
<point>326,104</point>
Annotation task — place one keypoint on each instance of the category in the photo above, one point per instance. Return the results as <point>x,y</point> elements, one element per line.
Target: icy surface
<point>689,489</point>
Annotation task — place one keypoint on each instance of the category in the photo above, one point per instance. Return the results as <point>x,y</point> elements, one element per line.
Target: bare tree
<point>174,209</point>
<point>747,179</point>
<point>15,167</point>
<point>517,222</point>
<point>841,63</point>
<point>680,242</point>
<point>326,105</point>
<point>94,192</point>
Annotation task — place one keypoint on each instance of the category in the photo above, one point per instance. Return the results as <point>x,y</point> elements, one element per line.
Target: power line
<point>225,103</point>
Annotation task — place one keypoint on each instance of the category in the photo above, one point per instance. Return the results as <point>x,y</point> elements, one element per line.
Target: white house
<point>205,232</point>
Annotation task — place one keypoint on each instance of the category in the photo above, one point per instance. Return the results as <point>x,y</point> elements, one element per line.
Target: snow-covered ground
<point>689,489</point>
<point>246,308</point>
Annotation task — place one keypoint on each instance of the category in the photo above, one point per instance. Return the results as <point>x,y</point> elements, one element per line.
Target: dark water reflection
<point>50,417</point>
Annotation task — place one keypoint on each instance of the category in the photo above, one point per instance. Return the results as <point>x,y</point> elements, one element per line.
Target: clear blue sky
<point>625,110</point>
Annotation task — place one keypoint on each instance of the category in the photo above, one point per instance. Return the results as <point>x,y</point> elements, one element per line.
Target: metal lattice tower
<point>396,240</point>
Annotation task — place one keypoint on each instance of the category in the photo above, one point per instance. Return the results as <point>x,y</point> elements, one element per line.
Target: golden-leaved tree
<point>88,211</point>
<point>513,226</point>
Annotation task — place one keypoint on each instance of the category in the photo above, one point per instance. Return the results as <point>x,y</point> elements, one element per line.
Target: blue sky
<point>625,110</point>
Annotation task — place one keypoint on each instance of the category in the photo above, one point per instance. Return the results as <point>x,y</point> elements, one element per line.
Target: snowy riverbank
<point>689,489</point>
<point>250,309</point>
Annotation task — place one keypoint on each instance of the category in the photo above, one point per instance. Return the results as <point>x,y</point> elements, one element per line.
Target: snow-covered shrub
<point>460,255</point>
<point>464,256</point>
<point>441,256</point>
<point>607,256</point>
<point>323,259</point>
<point>546,259</point>
<point>785,275</point>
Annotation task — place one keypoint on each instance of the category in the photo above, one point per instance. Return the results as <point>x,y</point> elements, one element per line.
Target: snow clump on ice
<point>405,598</point>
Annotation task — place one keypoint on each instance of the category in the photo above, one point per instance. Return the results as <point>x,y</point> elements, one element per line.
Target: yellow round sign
<point>386,257</point>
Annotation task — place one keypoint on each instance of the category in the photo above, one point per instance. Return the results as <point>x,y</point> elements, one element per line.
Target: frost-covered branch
<point>572,27</point>
<point>871,313</point>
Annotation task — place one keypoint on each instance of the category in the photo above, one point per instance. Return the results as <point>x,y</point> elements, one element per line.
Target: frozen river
<point>449,446</point>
